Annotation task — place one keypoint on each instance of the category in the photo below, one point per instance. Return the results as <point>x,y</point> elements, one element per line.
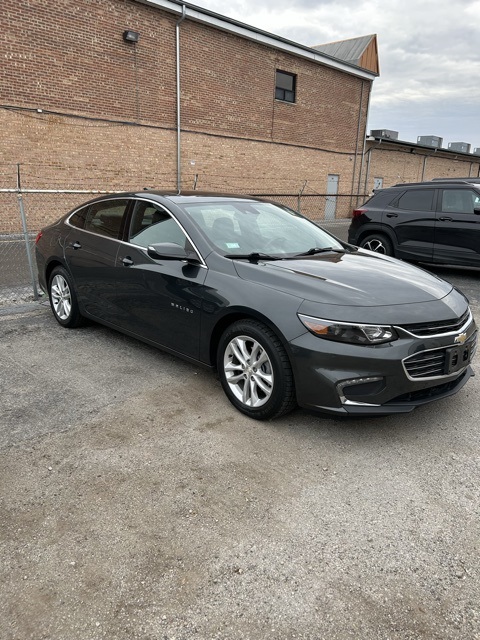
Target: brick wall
<point>69,55</point>
<point>395,165</point>
<point>108,109</point>
<point>228,86</point>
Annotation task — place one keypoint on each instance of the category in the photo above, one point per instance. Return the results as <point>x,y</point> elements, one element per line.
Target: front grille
<point>427,364</point>
<point>440,362</point>
<point>424,329</point>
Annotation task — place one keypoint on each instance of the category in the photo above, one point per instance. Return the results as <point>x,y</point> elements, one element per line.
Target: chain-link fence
<point>26,211</point>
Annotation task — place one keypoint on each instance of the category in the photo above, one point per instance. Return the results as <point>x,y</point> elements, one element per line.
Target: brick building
<point>389,161</point>
<point>84,106</point>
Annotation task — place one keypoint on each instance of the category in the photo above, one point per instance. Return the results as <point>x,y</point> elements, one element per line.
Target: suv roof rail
<point>436,181</point>
<point>412,184</point>
<point>469,180</point>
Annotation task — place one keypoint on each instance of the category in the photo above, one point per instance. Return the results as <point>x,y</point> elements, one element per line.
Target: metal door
<point>331,199</point>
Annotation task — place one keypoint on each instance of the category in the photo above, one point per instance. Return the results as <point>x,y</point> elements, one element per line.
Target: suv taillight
<point>39,235</point>
<point>358,212</point>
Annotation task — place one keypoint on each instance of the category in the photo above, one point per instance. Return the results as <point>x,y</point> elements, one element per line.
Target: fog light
<point>359,387</point>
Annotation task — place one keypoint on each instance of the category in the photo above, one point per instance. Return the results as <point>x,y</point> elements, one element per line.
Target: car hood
<point>359,279</point>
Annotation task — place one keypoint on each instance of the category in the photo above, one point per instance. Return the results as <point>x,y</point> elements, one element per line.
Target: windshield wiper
<point>315,250</point>
<point>253,257</point>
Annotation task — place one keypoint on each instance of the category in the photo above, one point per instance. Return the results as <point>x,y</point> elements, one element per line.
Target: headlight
<point>348,332</point>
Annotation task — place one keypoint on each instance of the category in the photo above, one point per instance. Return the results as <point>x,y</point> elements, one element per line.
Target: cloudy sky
<point>429,53</point>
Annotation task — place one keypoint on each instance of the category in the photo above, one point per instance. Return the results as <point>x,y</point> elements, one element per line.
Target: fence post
<point>299,197</point>
<point>27,247</point>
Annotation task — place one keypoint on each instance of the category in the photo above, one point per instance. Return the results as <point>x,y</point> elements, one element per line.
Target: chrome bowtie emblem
<point>460,339</point>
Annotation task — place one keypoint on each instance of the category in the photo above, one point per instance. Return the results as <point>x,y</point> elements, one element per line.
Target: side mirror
<point>170,251</point>
<point>476,211</point>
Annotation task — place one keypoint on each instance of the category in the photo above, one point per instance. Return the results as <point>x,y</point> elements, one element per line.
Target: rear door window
<point>459,201</point>
<point>416,200</point>
<point>78,218</point>
<point>106,218</point>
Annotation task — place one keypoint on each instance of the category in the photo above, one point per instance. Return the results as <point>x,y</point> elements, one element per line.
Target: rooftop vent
<point>476,151</point>
<point>430,141</point>
<point>461,147</point>
<point>384,133</point>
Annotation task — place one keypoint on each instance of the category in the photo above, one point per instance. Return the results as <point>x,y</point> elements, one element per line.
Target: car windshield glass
<point>243,228</point>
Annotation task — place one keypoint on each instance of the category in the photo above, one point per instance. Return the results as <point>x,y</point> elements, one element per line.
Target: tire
<point>262,392</point>
<point>63,299</point>
<point>379,243</point>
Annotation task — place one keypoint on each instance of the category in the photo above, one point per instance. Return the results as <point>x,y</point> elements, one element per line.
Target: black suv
<point>437,221</point>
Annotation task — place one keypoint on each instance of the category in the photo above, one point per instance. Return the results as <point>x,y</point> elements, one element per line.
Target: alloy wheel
<point>61,297</point>
<point>375,244</point>
<point>248,371</point>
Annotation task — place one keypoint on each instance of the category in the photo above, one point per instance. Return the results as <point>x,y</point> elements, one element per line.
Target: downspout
<point>367,173</point>
<point>425,163</point>
<point>367,170</point>
<point>179,147</point>
<point>364,144</point>
<point>356,144</point>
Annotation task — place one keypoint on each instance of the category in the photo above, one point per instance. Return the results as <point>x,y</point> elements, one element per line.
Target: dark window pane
<point>78,218</point>
<point>284,81</point>
<point>417,200</point>
<point>105,218</point>
<point>285,86</point>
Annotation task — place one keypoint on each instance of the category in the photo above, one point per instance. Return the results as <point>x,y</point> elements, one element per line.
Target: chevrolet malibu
<point>285,312</point>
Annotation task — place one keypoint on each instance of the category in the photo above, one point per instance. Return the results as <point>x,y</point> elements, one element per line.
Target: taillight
<point>39,235</point>
<point>358,212</point>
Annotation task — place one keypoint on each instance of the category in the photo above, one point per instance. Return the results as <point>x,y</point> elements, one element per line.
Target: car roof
<point>160,196</point>
<point>175,196</point>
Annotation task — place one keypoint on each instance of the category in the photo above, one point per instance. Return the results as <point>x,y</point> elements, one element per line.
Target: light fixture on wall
<point>131,36</point>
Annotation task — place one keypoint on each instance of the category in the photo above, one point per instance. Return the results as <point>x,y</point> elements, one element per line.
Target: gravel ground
<point>136,503</point>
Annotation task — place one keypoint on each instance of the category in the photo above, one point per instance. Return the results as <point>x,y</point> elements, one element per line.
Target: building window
<point>285,86</point>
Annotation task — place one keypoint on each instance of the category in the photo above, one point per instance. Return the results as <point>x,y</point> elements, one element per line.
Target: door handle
<point>392,215</point>
<point>445,219</point>
<point>76,245</point>
<point>127,261</point>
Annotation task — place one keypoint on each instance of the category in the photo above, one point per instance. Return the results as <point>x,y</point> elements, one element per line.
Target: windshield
<point>242,228</point>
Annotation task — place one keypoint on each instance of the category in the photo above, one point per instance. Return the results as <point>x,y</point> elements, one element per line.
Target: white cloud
<point>429,54</point>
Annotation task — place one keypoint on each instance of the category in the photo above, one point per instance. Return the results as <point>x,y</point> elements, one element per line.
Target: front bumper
<point>344,379</point>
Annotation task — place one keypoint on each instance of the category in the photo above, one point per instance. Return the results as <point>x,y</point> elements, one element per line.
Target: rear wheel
<point>379,243</point>
<point>63,299</point>
<point>255,371</point>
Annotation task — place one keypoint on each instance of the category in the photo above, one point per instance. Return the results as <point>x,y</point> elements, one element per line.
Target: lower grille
<point>440,362</point>
<point>427,394</point>
<point>427,364</point>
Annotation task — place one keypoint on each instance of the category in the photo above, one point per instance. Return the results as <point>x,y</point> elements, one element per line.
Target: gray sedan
<point>285,312</point>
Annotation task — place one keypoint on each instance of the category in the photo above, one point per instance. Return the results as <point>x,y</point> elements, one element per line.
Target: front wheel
<point>63,299</point>
<point>379,243</point>
<point>255,371</point>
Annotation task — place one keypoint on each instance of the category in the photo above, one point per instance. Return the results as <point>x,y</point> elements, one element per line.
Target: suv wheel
<point>377,242</point>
